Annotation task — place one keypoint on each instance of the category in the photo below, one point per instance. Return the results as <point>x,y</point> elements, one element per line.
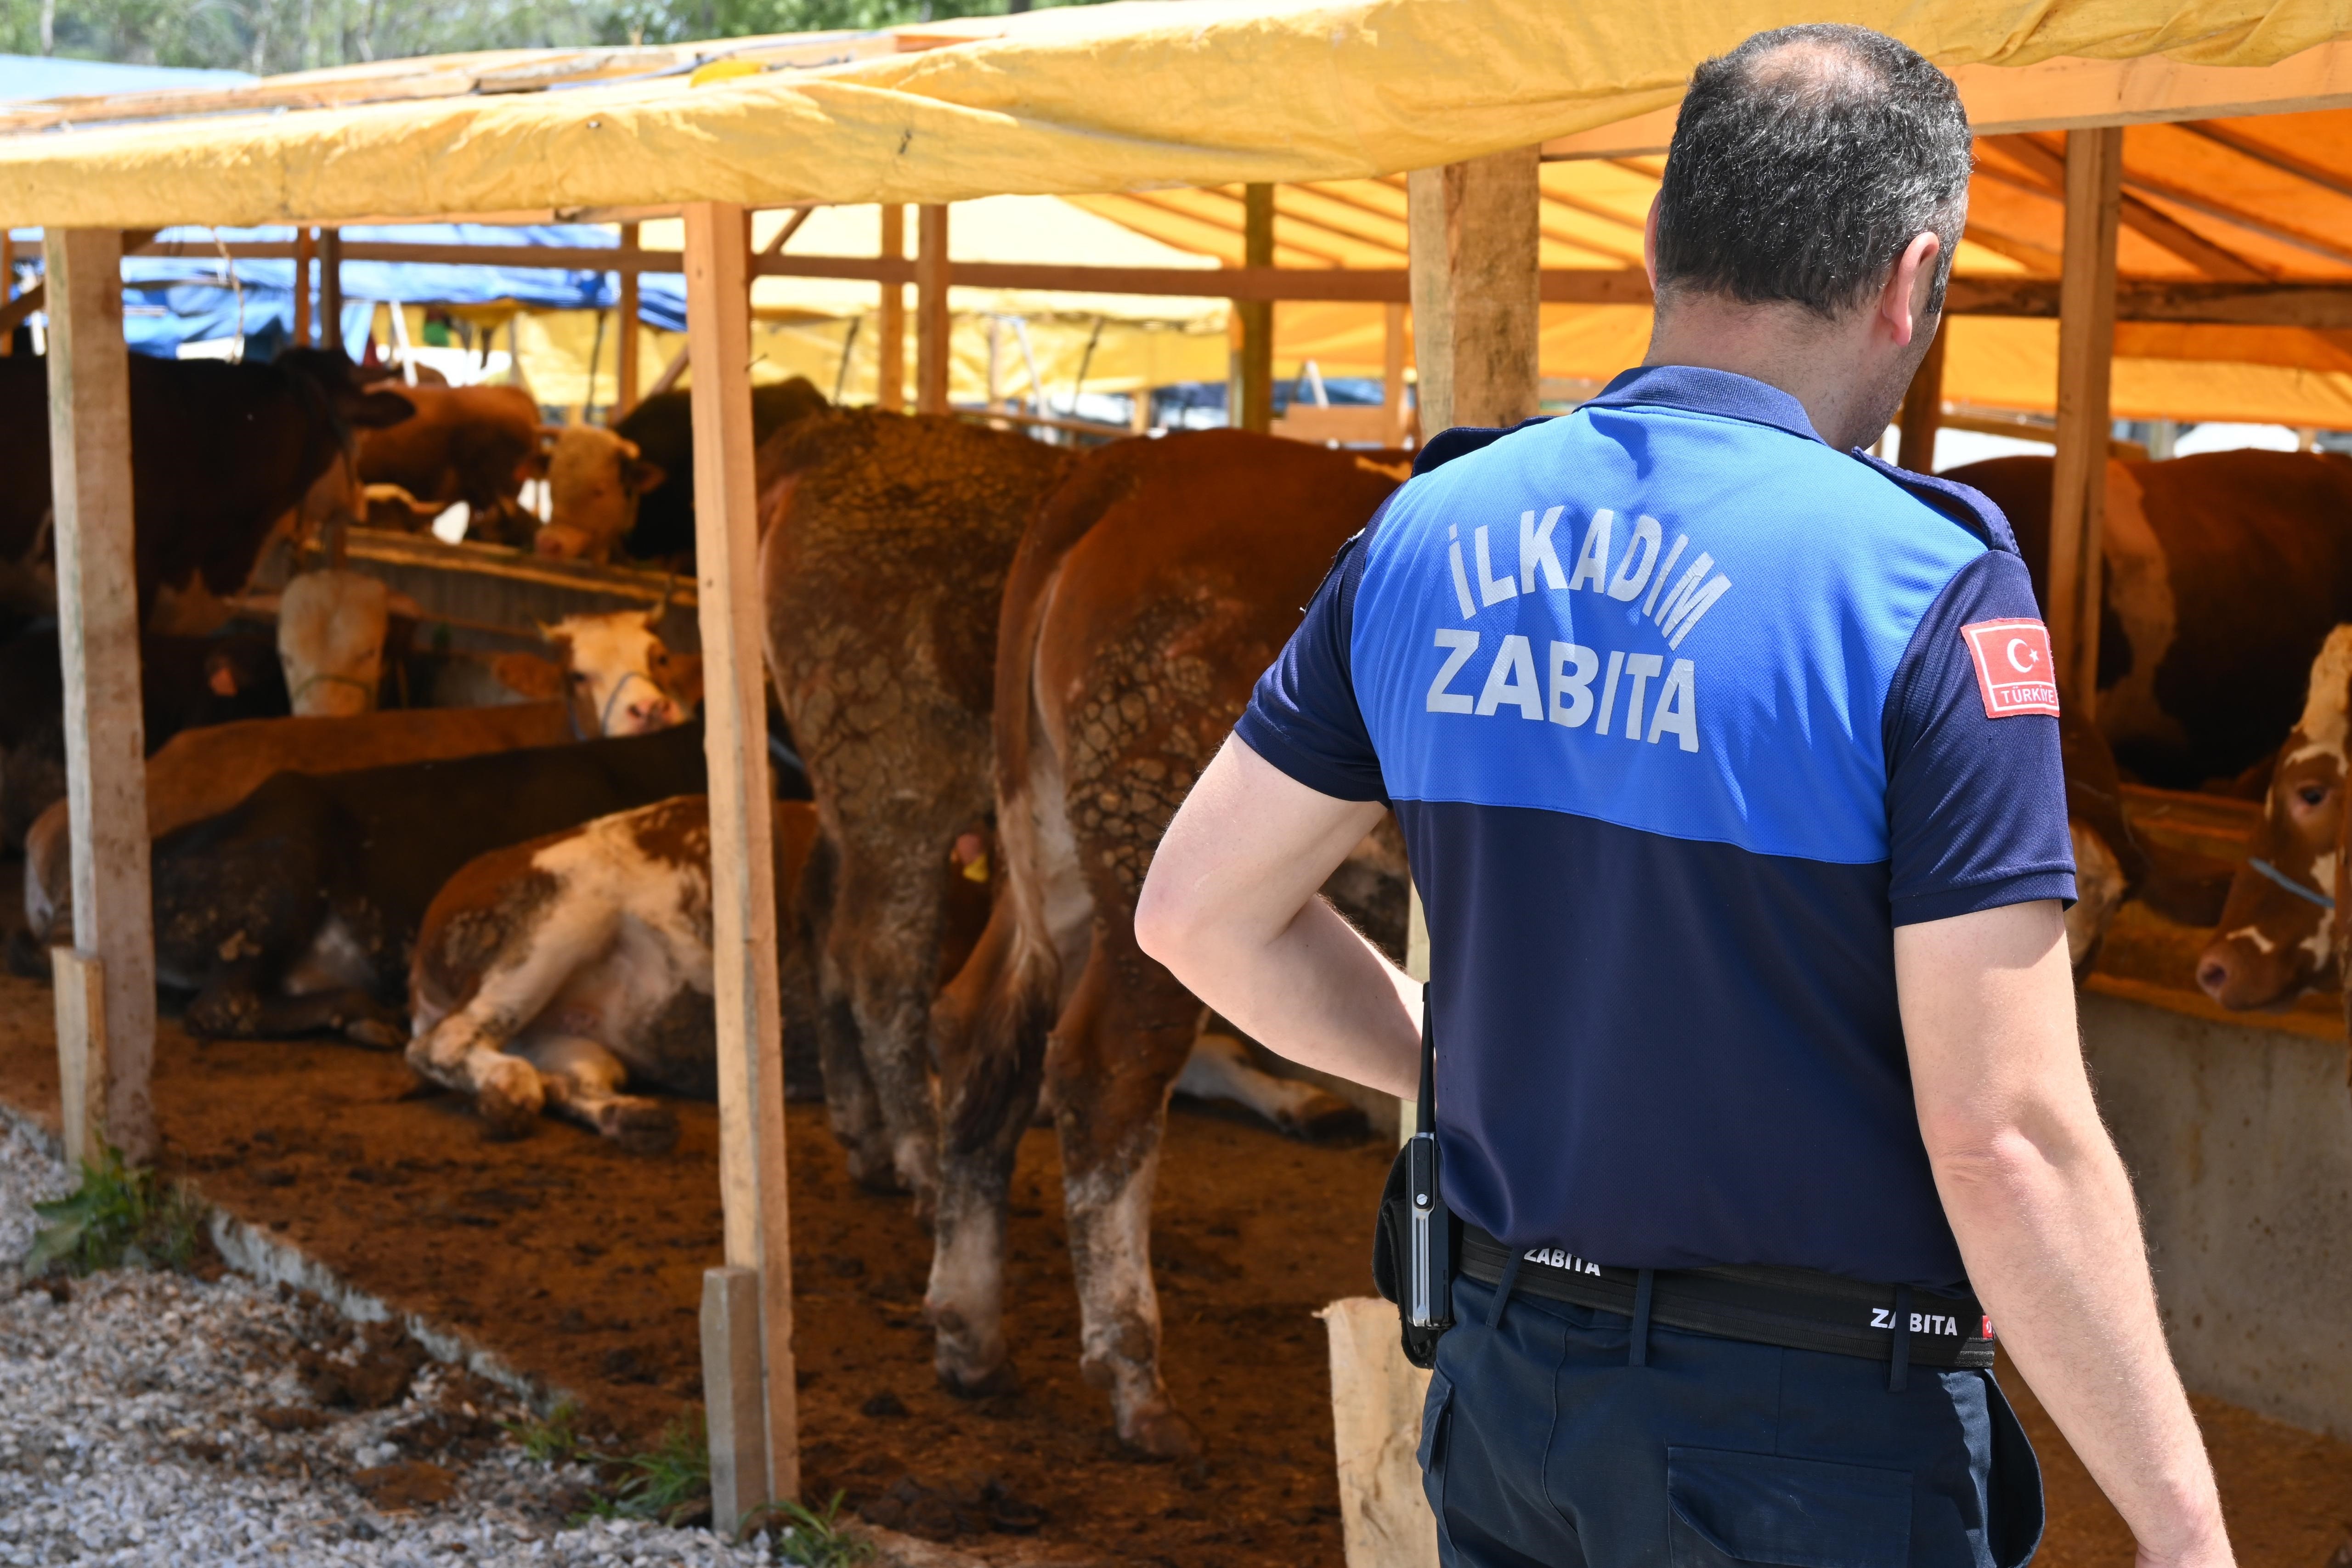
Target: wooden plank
<point>732,1396</point>
<point>1255,317</point>
<point>2049,167</point>
<point>745,992</point>
<point>2086,336</point>
<point>304,253</point>
<point>2067,94</point>
<point>1923,408</point>
<point>630,373</point>
<point>98,631</point>
<point>80,983</point>
<point>7,287</point>
<point>931,318</point>
<point>891,320</point>
<point>1475,289</point>
<point>331,288</point>
<point>1399,416</point>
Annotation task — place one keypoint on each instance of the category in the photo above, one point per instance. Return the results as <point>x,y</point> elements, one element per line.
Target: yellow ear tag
<point>723,70</point>
<point>978,870</point>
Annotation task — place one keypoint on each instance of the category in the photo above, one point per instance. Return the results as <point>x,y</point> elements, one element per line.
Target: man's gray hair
<point>1803,161</point>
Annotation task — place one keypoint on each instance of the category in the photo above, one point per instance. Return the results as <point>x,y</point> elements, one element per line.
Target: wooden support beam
<point>7,286</point>
<point>1476,287</point>
<point>2086,337</point>
<point>305,249</point>
<point>890,320</point>
<point>1396,417</point>
<point>1255,317</point>
<point>931,319</point>
<point>745,991</point>
<point>331,288</point>
<point>97,633</point>
<point>2215,261</point>
<point>1923,408</point>
<point>732,1396</point>
<point>626,398</point>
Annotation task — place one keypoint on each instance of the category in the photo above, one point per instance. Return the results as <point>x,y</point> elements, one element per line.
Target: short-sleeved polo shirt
<point>1682,712</point>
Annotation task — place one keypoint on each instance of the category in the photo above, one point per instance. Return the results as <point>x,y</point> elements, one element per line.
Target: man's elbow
<point>1167,921</point>
<point>1996,1156</point>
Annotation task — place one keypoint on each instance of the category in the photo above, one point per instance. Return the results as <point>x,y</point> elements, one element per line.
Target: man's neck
<point>1786,346</point>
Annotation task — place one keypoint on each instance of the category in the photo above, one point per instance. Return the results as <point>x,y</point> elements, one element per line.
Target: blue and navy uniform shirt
<point>1682,712</point>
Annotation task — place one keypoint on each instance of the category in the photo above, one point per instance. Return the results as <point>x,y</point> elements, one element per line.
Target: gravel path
<point>152,1418</point>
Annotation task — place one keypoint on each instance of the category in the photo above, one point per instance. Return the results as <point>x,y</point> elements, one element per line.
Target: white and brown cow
<point>2279,936</point>
<point>551,975</point>
<point>595,480</point>
<point>1154,587</point>
<point>331,631</point>
<point>2223,575</point>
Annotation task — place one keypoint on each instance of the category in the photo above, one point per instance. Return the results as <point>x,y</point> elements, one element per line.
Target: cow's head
<point>331,627</point>
<point>617,675</point>
<point>594,480</point>
<point>2278,928</point>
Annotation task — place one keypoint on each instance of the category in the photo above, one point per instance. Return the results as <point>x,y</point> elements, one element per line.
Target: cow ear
<point>682,678</point>
<point>376,410</point>
<point>529,674</point>
<point>641,478</point>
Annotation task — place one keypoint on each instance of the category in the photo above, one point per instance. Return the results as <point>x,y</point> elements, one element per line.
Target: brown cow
<point>2279,936</point>
<point>2224,573</point>
<point>471,444</point>
<point>887,543</point>
<point>1154,587</point>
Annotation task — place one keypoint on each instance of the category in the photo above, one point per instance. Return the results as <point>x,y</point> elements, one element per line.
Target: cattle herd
<point>997,666</point>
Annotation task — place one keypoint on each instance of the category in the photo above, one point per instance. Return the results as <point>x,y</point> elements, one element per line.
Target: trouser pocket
<point>1724,1508</point>
<point>2013,1491</point>
<point>1432,1420</point>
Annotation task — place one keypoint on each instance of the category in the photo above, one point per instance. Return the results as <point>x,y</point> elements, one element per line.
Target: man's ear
<point>1903,303</point>
<point>1650,243</point>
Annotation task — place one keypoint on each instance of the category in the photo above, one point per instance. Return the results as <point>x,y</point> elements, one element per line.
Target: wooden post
<point>7,286</point>
<point>626,398</point>
<point>1923,406</point>
<point>1256,316</point>
<point>1476,281</point>
<point>752,1166</point>
<point>331,288</point>
<point>931,320</point>
<point>731,1395</point>
<point>890,322</point>
<point>97,633</point>
<point>2086,338</point>
<point>1395,416</point>
<point>303,245</point>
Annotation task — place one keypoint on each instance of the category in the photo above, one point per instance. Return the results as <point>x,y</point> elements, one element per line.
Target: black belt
<point>1801,1308</point>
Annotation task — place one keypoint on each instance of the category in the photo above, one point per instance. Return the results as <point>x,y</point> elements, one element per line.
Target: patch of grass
<point>665,1482</point>
<point>557,1440</point>
<point>801,1535</point>
<point>117,1218</point>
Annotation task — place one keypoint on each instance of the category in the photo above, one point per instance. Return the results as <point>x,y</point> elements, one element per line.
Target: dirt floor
<point>582,1267</point>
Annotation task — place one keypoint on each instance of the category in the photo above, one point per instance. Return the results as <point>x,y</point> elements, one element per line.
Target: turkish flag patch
<point>2014,673</point>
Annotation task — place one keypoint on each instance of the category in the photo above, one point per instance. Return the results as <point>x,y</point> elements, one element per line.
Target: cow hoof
<point>646,1127</point>
<point>506,1114</point>
<point>378,1033</point>
<point>1328,1119</point>
<point>1159,1432</point>
<point>997,1380</point>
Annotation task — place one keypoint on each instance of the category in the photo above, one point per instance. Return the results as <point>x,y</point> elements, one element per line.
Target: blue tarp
<point>174,299</point>
<point>45,76</point>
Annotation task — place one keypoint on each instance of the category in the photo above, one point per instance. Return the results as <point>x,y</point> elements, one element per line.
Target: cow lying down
<point>296,910</point>
<point>550,975</point>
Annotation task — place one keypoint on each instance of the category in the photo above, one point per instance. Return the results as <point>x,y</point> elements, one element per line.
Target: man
<point>1728,762</point>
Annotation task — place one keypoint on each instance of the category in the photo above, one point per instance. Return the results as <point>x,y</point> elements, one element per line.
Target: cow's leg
<point>990,1024</point>
<point>884,946</point>
<point>346,1010</point>
<point>851,1108</point>
<point>1220,1069</point>
<point>582,1082</point>
<point>467,1050</point>
<point>1117,1049</point>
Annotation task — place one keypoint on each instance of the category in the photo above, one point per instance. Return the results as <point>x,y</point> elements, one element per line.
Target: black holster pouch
<point>1415,1246</point>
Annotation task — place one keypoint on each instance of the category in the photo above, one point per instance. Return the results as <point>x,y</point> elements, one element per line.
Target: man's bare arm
<point>1229,906</point>
<point>2044,1214</point>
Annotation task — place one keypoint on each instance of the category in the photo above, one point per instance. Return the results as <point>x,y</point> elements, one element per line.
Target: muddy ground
<point>583,1266</point>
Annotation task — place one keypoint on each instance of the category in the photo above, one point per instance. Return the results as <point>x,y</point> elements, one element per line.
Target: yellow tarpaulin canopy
<point>1123,96</point>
